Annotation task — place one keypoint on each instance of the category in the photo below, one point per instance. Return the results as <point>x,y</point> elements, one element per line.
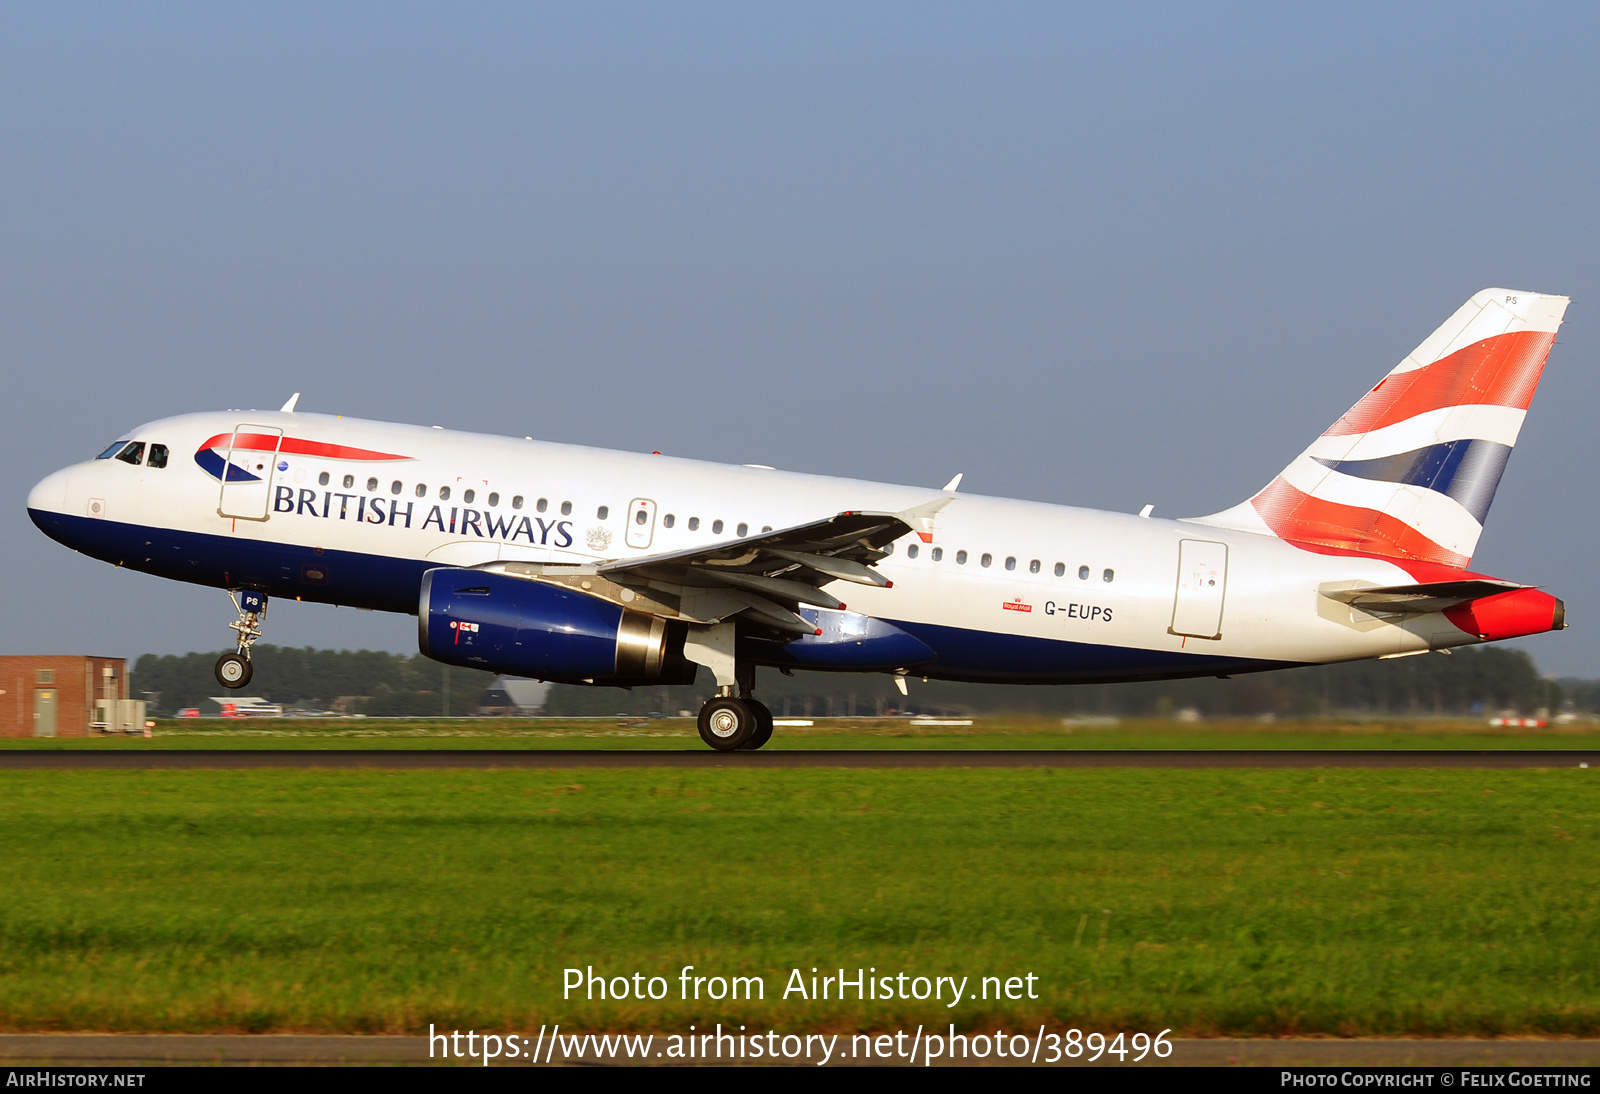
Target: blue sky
<point>1100,257</point>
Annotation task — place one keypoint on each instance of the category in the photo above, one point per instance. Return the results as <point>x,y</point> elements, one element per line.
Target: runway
<point>145,1049</point>
<point>427,759</point>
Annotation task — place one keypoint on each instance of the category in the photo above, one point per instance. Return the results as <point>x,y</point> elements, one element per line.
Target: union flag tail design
<point>1410,470</point>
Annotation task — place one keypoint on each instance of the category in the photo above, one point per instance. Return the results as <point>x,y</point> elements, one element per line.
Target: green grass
<point>874,733</point>
<point>1209,902</point>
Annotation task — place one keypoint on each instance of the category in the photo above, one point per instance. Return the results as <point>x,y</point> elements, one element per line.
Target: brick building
<point>58,696</point>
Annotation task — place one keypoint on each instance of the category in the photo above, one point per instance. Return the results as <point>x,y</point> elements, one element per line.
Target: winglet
<point>288,408</point>
<point>954,484</point>
<point>920,517</point>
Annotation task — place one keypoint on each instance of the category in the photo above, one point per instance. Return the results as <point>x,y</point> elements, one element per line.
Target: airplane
<point>582,565</point>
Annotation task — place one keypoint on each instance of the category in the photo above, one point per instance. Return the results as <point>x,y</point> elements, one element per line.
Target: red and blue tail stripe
<point>1410,471</point>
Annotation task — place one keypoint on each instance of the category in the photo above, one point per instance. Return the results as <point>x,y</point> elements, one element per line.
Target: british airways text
<point>458,521</point>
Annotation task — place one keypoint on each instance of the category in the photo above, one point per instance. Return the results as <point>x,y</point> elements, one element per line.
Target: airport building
<point>66,697</point>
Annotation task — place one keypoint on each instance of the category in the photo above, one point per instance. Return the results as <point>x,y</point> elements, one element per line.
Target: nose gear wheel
<point>233,670</point>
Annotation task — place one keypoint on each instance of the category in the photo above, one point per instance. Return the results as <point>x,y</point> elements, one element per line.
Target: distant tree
<point>1472,680</point>
<point>398,685</point>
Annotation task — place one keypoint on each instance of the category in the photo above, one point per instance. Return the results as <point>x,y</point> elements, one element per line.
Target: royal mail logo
<point>1017,606</point>
<point>472,627</point>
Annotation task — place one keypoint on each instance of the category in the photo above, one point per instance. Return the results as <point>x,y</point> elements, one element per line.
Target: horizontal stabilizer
<point>1424,599</point>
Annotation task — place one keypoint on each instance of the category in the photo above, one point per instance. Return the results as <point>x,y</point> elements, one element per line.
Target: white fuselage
<point>1096,589</point>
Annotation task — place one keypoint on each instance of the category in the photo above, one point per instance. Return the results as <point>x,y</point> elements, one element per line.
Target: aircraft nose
<point>49,494</point>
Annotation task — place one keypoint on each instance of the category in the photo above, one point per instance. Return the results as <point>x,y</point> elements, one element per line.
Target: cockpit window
<point>112,451</point>
<point>158,456</point>
<point>133,454</point>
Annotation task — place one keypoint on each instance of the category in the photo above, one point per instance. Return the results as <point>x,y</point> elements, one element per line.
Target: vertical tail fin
<point>1410,470</point>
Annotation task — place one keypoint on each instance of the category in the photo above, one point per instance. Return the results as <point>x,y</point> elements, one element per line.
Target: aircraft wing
<point>766,577</point>
<point>1421,599</point>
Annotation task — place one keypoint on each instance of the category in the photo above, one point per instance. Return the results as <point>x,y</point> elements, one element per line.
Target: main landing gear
<point>233,670</point>
<point>733,720</point>
<point>729,724</point>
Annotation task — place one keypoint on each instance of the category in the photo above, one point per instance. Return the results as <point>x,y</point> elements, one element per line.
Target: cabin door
<point>1202,583</point>
<point>247,472</point>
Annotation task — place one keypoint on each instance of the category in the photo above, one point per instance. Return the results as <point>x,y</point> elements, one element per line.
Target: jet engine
<point>529,628</point>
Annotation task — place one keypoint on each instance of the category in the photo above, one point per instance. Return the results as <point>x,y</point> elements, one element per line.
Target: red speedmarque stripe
<point>295,446</point>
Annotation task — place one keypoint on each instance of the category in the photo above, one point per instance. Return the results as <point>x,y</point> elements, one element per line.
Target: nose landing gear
<point>233,670</point>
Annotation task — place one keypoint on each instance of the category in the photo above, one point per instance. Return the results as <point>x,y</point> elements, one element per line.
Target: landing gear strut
<point>733,720</point>
<point>233,670</point>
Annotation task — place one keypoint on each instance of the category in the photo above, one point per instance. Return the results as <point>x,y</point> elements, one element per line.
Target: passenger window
<point>961,558</point>
<point>1011,563</point>
<point>1033,567</point>
<point>322,479</point>
<point>643,517</point>
<point>516,502</point>
<point>694,524</point>
<point>937,554</point>
<point>158,458</point>
<point>372,484</point>
<point>911,551</point>
<point>133,454</point>
<point>716,527</point>
<point>349,481</point>
<point>1061,569</point>
<point>766,528</point>
<point>541,505</point>
<point>889,550</point>
<point>444,493</point>
<point>112,451</point>
<point>742,531</point>
<point>1083,573</point>
<point>605,511</point>
<point>396,486</point>
<point>494,499</point>
<point>566,508</point>
<point>985,560</point>
<point>668,521</point>
<point>1109,575</point>
<point>422,490</point>
<point>467,496</point>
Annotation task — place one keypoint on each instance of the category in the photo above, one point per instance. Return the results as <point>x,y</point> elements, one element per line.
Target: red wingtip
<point>819,630</point>
<point>844,607</point>
<point>888,584</point>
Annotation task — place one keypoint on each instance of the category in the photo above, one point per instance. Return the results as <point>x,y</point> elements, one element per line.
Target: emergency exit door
<point>641,522</point>
<point>247,471</point>
<point>1202,583</point>
<point>44,712</point>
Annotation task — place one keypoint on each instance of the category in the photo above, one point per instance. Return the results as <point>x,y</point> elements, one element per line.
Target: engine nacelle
<point>529,628</point>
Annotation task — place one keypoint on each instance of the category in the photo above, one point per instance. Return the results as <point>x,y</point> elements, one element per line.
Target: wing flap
<point>762,579</point>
